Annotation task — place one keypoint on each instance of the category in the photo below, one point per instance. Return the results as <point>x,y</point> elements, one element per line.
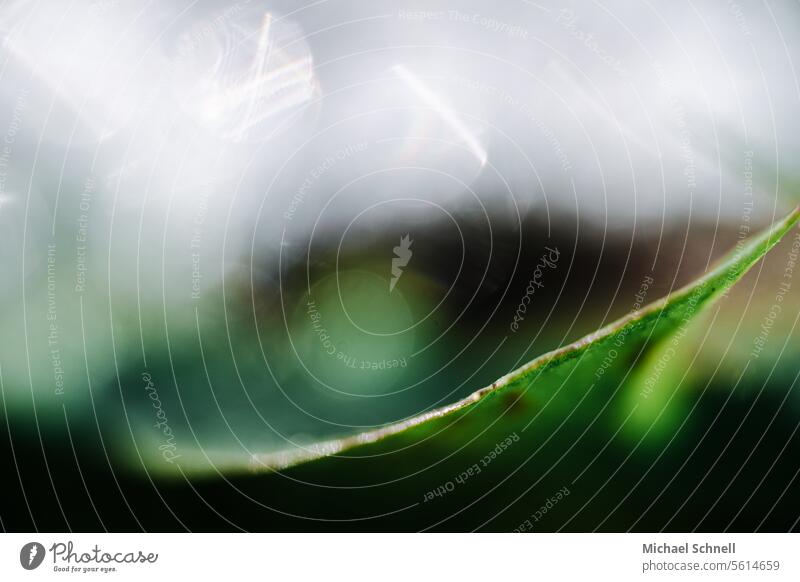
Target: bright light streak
<point>448,115</point>
<point>268,86</point>
<point>260,64</point>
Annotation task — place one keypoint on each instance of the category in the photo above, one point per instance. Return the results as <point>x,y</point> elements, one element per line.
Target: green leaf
<point>541,395</point>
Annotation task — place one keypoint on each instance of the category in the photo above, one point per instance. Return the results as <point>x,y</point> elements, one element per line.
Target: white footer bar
<point>356,557</point>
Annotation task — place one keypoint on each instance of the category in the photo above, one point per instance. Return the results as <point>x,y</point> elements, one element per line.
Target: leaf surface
<point>588,372</point>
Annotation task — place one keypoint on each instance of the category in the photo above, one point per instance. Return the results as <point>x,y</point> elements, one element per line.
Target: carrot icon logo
<point>402,254</point>
<point>31,555</point>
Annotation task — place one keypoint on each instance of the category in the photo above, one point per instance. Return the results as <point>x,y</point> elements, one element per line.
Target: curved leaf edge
<point>720,278</point>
